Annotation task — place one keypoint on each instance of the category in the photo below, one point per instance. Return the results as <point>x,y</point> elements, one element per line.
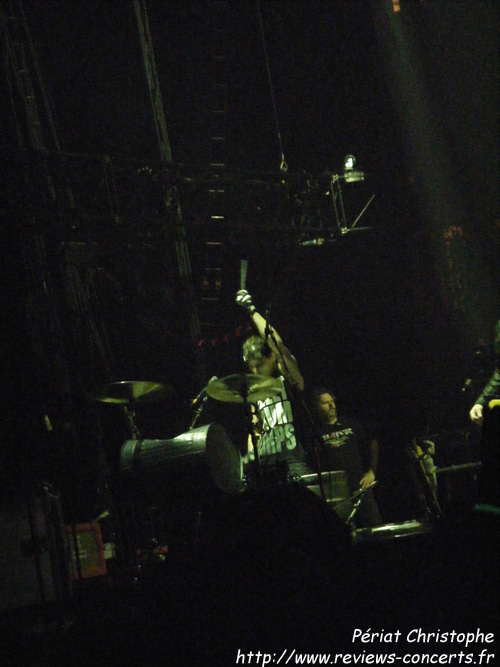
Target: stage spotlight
<point>349,163</point>
<point>350,174</point>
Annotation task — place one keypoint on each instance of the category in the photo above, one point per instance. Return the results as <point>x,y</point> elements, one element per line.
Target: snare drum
<point>392,531</point>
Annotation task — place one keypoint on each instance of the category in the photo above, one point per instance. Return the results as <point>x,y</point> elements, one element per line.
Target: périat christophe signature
<point>418,635</point>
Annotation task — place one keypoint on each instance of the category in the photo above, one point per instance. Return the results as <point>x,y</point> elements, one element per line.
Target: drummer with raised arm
<point>280,451</point>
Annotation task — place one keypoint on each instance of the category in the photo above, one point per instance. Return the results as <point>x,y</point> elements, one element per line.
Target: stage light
<point>349,163</point>
<point>350,174</point>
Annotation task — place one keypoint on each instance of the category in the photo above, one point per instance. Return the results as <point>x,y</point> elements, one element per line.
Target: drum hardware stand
<point>200,404</point>
<point>197,412</point>
<point>269,329</point>
<point>128,393</point>
<point>251,433</point>
<point>130,414</point>
<point>354,510</point>
<point>124,394</point>
<point>360,494</point>
<point>315,450</point>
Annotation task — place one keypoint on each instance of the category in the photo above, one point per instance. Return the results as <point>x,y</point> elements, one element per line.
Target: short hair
<point>318,391</point>
<point>255,348</point>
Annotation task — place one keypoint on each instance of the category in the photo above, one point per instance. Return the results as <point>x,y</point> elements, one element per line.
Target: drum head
<point>224,460</point>
<point>206,451</point>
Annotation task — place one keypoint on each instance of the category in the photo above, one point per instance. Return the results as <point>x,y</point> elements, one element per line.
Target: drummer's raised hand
<point>244,299</point>
<point>476,414</point>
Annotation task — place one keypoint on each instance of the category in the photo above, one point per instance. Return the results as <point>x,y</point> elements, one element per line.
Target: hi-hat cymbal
<point>238,388</point>
<point>133,391</point>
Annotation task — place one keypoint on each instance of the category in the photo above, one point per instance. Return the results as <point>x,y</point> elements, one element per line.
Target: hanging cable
<point>283,165</point>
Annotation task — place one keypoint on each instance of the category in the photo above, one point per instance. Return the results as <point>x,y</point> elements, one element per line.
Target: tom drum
<point>207,449</point>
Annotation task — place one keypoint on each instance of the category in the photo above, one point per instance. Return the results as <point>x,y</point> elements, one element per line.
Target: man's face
<point>263,365</point>
<point>327,409</point>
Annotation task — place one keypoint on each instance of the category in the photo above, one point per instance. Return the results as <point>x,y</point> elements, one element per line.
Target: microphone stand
<point>300,397</point>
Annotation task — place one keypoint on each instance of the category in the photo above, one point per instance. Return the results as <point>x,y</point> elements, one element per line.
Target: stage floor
<point>206,610</point>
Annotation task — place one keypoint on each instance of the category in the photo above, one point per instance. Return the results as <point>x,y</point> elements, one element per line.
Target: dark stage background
<point>398,317</point>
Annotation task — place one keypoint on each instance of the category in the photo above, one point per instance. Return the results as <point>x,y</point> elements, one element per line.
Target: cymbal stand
<point>130,414</point>
<point>355,509</point>
<point>360,494</point>
<point>197,412</point>
<point>251,433</point>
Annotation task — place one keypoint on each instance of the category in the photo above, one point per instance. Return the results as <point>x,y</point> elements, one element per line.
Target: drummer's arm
<point>289,367</point>
<point>286,361</point>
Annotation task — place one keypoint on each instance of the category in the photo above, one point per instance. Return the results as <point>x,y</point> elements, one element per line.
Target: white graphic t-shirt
<point>278,441</point>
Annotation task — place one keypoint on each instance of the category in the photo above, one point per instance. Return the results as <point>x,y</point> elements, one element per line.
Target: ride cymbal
<point>243,388</point>
<point>133,391</point>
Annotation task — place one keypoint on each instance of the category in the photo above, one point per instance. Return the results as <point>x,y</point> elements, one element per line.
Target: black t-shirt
<point>342,447</point>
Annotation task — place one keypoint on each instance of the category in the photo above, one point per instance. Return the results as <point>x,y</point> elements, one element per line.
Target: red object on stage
<point>90,550</point>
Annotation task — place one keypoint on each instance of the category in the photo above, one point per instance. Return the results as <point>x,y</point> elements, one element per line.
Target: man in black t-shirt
<point>345,446</point>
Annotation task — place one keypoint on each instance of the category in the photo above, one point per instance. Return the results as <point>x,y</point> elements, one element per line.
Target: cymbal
<point>234,388</point>
<point>130,392</point>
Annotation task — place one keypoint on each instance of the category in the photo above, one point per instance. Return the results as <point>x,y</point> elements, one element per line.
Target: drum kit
<point>207,447</point>
<point>181,472</point>
<point>205,457</point>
